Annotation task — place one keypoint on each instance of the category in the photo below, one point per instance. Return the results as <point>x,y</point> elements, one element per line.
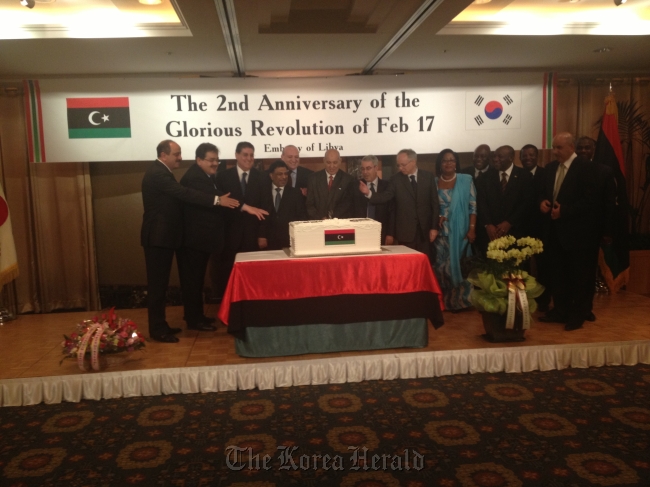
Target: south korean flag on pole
<point>490,110</point>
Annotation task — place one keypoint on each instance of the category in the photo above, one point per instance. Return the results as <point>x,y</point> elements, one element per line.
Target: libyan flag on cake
<point>339,237</point>
<point>8,260</point>
<point>98,118</point>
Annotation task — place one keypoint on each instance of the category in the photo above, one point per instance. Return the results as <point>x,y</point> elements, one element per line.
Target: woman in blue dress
<point>457,229</point>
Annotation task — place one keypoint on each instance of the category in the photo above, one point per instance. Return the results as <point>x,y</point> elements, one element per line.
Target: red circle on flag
<point>4,211</point>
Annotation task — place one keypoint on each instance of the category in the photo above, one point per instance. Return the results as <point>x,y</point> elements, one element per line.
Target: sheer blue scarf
<point>459,224</point>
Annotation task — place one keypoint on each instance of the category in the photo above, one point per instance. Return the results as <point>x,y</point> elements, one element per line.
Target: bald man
<point>330,192</point>
<point>505,202</point>
<point>298,175</point>
<point>571,231</point>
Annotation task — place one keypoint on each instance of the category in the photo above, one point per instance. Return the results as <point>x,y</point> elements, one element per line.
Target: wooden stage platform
<point>30,348</point>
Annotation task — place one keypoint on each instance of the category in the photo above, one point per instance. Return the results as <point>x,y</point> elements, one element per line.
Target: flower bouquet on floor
<point>97,339</point>
<point>503,293</point>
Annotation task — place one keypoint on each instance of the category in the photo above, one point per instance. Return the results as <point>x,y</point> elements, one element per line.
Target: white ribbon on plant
<point>81,353</point>
<point>517,298</point>
<point>94,337</point>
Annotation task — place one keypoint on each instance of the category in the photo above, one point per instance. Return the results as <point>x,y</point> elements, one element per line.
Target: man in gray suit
<point>330,192</point>
<point>415,195</point>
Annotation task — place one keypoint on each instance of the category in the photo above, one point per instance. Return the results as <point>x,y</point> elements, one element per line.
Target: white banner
<point>124,119</point>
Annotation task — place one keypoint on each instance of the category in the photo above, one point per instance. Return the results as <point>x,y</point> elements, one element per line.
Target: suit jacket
<point>471,170</point>
<point>515,205</point>
<point>275,227</point>
<point>576,228</point>
<point>384,213</point>
<point>337,202</point>
<point>412,210</point>
<point>302,177</point>
<point>536,222</point>
<point>242,228</point>
<point>605,198</point>
<point>203,227</point>
<point>162,198</point>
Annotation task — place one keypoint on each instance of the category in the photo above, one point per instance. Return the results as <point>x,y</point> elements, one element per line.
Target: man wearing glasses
<point>415,196</point>
<point>202,235</point>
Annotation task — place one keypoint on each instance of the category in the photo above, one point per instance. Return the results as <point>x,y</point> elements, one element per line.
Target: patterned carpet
<point>574,427</point>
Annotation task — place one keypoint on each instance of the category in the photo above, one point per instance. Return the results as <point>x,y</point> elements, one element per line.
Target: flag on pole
<point>8,260</point>
<point>614,258</point>
<point>608,145</point>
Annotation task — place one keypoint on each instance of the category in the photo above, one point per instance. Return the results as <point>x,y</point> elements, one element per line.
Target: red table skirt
<point>261,283</point>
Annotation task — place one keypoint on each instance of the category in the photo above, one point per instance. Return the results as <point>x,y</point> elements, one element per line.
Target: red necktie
<point>329,185</point>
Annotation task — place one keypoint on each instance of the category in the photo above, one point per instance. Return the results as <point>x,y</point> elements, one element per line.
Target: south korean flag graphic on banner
<point>490,110</point>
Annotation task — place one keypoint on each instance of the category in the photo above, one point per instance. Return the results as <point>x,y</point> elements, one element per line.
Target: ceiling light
<point>150,2</point>
<point>481,2</point>
<point>27,3</point>
<point>619,2</point>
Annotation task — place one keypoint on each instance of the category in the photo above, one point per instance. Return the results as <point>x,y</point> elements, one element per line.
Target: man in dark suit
<point>284,204</point>
<point>605,198</point>
<point>529,155</point>
<point>330,192</point>
<point>244,183</point>
<point>383,213</point>
<point>162,231</point>
<point>505,201</point>
<point>203,231</point>
<point>481,163</point>
<point>298,175</point>
<point>415,196</point>
<point>568,202</point>
<point>478,170</point>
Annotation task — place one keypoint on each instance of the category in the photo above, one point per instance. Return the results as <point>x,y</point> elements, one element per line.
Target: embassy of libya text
<point>185,103</point>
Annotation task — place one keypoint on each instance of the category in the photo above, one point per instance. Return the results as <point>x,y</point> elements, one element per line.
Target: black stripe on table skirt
<point>346,308</point>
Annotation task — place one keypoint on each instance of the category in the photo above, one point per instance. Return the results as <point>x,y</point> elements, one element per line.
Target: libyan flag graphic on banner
<point>98,118</point>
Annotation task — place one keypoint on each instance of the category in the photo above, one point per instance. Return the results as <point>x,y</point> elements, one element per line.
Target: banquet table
<point>280,305</point>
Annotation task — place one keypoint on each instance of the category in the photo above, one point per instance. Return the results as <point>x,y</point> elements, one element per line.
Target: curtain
<point>51,211</point>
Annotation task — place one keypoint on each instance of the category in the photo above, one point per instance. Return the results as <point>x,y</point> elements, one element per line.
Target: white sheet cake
<point>335,237</point>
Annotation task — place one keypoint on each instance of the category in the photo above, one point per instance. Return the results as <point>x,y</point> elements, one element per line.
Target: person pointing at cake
<point>415,198</point>
<point>330,191</point>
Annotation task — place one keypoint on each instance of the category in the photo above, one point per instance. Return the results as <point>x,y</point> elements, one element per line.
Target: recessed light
<point>602,49</point>
<point>150,2</point>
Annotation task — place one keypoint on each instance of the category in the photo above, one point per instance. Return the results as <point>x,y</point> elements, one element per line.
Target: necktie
<point>504,181</point>
<point>329,185</point>
<point>293,179</point>
<point>371,208</point>
<point>561,171</point>
<point>243,182</point>
<point>414,184</point>
<point>278,197</point>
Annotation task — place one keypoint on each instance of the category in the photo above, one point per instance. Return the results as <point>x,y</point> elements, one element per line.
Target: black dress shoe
<point>173,331</point>
<point>202,327</point>
<point>207,320</point>
<point>166,338</point>
<point>591,317</point>
<point>572,326</point>
<point>552,317</point>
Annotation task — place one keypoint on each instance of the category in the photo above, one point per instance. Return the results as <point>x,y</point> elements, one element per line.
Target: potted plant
<point>97,339</point>
<point>503,293</point>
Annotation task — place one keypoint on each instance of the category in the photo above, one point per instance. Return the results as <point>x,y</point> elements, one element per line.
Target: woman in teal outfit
<point>457,229</point>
